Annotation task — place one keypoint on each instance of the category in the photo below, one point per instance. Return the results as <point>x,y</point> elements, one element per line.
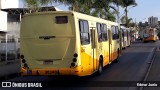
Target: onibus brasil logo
<point>15,84</point>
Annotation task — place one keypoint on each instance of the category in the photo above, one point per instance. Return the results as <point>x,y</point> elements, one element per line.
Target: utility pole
<point>0,5</point>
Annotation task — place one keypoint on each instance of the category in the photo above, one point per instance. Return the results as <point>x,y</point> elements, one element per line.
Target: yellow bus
<point>67,43</point>
<point>150,34</point>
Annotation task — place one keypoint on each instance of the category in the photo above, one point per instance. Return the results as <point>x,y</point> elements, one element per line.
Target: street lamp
<point>124,11</point>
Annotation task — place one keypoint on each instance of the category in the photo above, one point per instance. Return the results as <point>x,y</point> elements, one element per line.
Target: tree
<point>125,4</point>
<point>82,6</point>
<point>117,3</point>
<point>130,21</point>
<point>35,5</point>
<point>104,9</point>
<point>99,8</point>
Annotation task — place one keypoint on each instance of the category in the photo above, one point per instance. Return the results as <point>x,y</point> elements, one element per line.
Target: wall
<point>3,21</point>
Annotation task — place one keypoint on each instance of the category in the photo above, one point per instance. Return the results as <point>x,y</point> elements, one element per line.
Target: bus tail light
<point>73,64</point>
<point>74,59</point>
<point>75,55</point>
<point>23,61</point>
<point>25,65</point>
<point>22,56</point>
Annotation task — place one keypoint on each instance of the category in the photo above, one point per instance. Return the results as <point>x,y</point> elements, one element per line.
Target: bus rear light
<point>73,64</point>
<point>75,55</point>
<point>25,65</point>
<point>72,14</point>
<point>74,60</point>
<point>22,56</point>
<point>23,61</point>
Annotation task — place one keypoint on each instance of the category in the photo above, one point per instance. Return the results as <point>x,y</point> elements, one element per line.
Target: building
<point>152,21</point>
<point>10,16</point>
<point>9,29</point>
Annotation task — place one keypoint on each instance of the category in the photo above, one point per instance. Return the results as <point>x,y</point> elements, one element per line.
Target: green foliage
<point>125,4</point>
<point>100,8</point>
<point>35,5</point>
<point>130,21</point>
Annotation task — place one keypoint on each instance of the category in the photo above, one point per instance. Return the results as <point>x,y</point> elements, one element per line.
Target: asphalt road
<point>124,75</point>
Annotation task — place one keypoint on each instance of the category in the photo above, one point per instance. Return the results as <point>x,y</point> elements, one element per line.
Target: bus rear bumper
<point>150,39</point>
<point>50,72</point>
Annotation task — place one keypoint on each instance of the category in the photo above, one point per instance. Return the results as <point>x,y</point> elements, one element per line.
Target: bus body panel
<point>50,42</point>
<point>114,43</point>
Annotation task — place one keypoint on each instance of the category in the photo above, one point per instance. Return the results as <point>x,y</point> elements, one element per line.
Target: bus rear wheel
<point>100,67</point>
<point>116,60</point>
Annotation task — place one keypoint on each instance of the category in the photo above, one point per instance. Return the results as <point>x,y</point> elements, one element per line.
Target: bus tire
<point>116,60</point>
<point>154,41</point>
<point>100,67</point>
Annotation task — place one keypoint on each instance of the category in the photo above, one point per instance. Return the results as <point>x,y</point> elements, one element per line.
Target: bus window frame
<point>84,41</point>
<point>61,19</point>
<point>115,32</point>
<point>100,31</point>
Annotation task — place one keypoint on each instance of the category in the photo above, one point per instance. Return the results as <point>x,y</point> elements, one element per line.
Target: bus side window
<point>117,32</point>
<point>122,33</point>
<point>104,32</point>
<point>125,33</point>
<point>113,29</point>
<point>99,32</point>
<point>84,32</point>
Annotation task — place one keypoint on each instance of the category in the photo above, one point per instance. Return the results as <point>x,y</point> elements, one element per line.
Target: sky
<point>144,10</point>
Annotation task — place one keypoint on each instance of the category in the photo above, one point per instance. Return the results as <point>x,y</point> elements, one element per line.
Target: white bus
<point>126,37</point>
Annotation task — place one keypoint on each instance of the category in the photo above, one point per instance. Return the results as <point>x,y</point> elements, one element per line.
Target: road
<point>124,75</point>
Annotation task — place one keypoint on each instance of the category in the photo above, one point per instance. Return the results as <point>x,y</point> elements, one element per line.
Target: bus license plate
<point>47,62</point>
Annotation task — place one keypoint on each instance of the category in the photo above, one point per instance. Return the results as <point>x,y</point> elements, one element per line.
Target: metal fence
<point>9,49</point>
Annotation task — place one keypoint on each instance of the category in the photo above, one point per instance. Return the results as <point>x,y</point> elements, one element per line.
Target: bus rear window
<point>61,19</point>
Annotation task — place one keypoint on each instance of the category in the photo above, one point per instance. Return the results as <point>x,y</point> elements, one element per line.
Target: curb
<point>150,60</point>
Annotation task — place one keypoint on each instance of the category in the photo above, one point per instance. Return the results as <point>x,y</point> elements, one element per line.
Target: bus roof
<point>79,15</point>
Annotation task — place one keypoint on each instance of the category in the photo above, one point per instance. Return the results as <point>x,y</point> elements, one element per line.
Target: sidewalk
<point>11,68</point>
<point>154,74</point>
